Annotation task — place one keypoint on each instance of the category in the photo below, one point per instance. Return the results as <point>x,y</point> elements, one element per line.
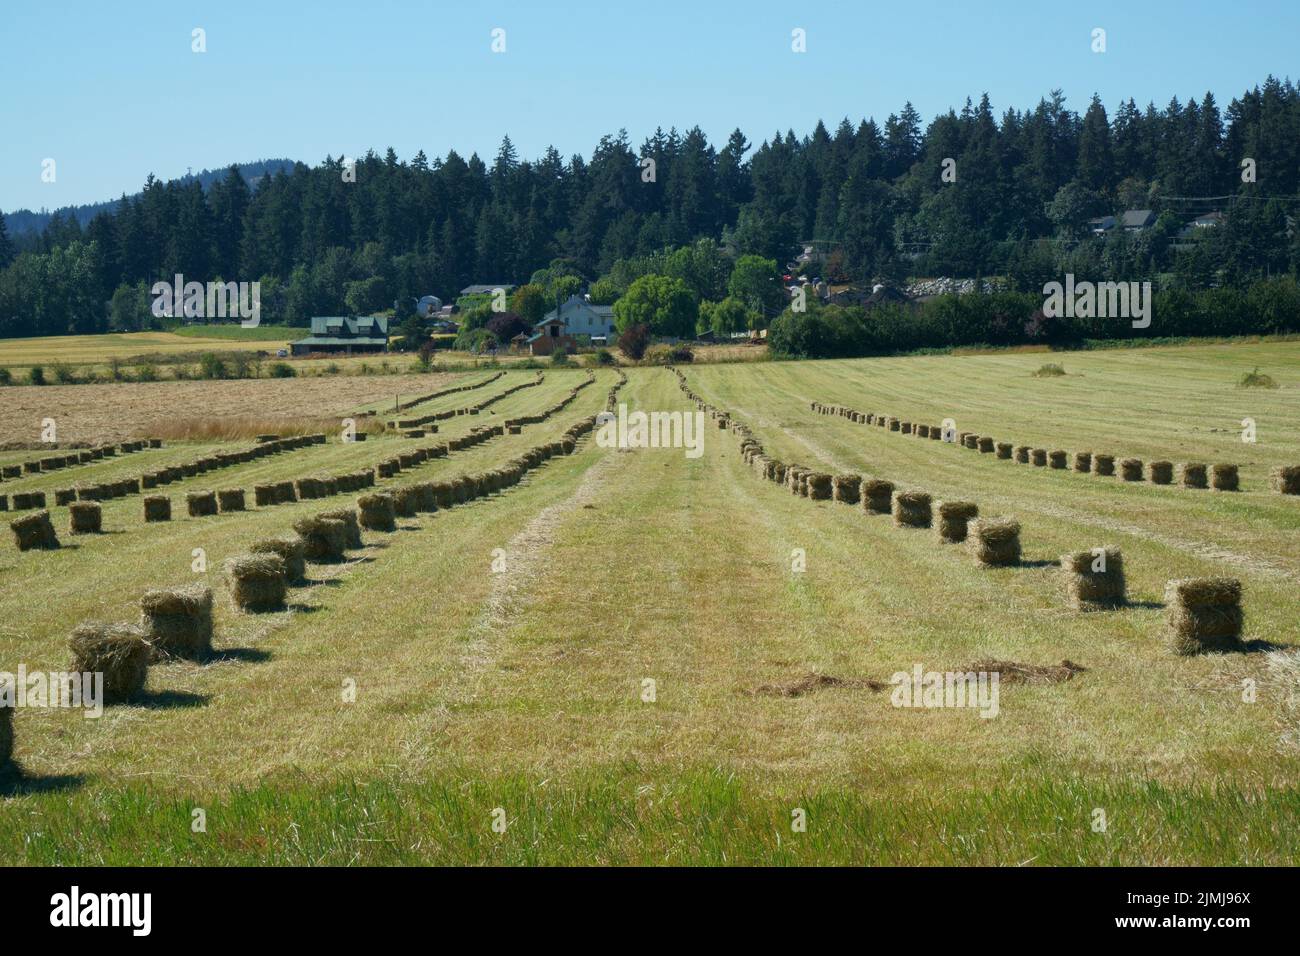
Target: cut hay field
<point>95,350</point>
<point>500,649</point>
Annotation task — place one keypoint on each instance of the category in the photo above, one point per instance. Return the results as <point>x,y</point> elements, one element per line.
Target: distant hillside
<point>24,221</point>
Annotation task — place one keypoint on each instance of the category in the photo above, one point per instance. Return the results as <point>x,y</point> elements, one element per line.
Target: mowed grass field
<point>500,650</point>
<point>95,350</point>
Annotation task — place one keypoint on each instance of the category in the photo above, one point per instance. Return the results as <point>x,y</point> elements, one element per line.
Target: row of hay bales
<point>1219,476</point>
<point>515,425</point>
<point>421,399</point>
<point>83,456</point>
<point>1204,614</point>
<point>415,423</point>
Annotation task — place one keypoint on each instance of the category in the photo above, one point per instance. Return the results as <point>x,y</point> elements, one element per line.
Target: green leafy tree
<point>756,282</point>
<point>666,306</point>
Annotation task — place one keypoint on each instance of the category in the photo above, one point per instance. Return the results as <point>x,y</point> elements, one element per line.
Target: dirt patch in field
<point>112,413</point>
<point>815,682</point>
<point>1013,672</point>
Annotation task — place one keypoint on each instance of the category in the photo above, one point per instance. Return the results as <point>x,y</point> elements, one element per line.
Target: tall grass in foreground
<point>698,818</point>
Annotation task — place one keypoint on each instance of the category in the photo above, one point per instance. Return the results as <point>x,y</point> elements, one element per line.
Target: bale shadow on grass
<point>169,699</point>
<point>14,782</point>
<point>304,608</point>
<point>1145,605</point>
<point>1260,646</point>
<point>320,583</point>
<point>246,655</point>
<point>1043,563</point>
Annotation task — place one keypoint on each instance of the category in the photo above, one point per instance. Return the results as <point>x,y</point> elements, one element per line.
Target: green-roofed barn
<point>347,334</point>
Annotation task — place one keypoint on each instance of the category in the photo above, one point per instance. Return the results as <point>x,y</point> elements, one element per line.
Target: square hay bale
<point>1103,465</point>
<point>986,445</point>
<point>257,582</point>
<point>1083,461</point>
<point>1160,472</point>
<point>230,499</point>
<point>264,495</point>
<point>177,622</point>
<point>1038,457</point>
<point>877,496</point>
<point>1130,469</point>
<point>922,431</point>
<point>157,508</point>
<point>936,433</point>
<point>1205,615</point>
<point>905,428</point>
<point>847,488</point>
<point>149,480</point>
<point>1195,475</point>
<point>1285,479</point>
<point>970,440</point>
<point>912,509</point>
<point>1022,454</point>
<point>284,493</point>
<point>324,539</point>
<point>1004,450</point>
<point>893,424</point>
<point>85,517</point>
<point>1224,478</point>
<point>1093,581</point>
<point>4,502</point>
<point>34,531</point>
<point>995,542</point>
<point>378,512</point>
<point>819,486</point>
<point>349,518</point>
<point>291,551</point>
<point>118,651</point>
<point>954,517</point>
<point>406,501</point>
<point>1057,459</point>
<point>201,503</point>
<point>11,471</point>
<point>65,496</point>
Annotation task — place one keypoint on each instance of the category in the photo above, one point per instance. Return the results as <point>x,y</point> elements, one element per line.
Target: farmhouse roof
<point>350,326</point>
<point>484,289</point>
<point>1137,218</point>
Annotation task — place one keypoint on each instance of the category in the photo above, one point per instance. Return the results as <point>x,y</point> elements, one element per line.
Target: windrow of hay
<point>257,581</point>
<point>1204,615</point>
<point>912,509</point>
<point>954,518</point>
<point>178,621</point>
<point>292,553</point>
<point>995,541</point>
<point>1094,579</point>
<point>118,651</point>
<point>34,531</point>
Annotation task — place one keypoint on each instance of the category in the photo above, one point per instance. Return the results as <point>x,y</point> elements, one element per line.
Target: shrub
<point>1257,379</point>
<point>599,357</point>
<point>634,341</point>
<point>680,353</point>
<point>148,372</point>
<point>36,375</point>
<point>63,374</point>
<point>211,366</point>
<point>282,370</point>
<point>560,358</point>
<point>331,369</point>
<point>6,376</point>
<point>1049,370</point>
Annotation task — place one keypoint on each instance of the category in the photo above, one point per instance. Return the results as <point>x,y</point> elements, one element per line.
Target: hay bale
<point>922,431</point>
<point>256,581</point>
<point>1004,450</point>
<point>291,551</point>
<point>201,503</point>
<point>1285,479</point>
<point>1022,454</point>
<point>1195,475</point>
<point>157,508</point>
<point>284,493</point>
<point>178,621</point>
<point>324,539</point>
<point>986,445</point>
<point>1038,457</point>
<point>264,495</point>
<point>349,518</point>
<point>118,651</point>
<point>970,440</point>
<point>995,541</point>
<point>1083,461</point>
<point>847,488</point>
<point>1204,615</point>
<point>892,423</point>
<point>936,433</point>
<point>1130,469</point>
<point>1057,459</point>
<point>34,531</point>
<point>1160,472</point>
<point>1103,465</point>
<point>231,499</point>
<point>406,501</point>
<point>912,509</point>
<point>905,428</point>
<point>819,486</point>
<point>65,496</point>
<point>85,517</point>
<point>877,496</point>
<point>6,735</point>
<point>378,512</point>
<point>1224,478</point>
<point>1089,590</point>
<point>954,517</point>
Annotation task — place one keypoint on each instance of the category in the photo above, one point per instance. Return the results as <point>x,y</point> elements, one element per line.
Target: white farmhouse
<point>580,317</point>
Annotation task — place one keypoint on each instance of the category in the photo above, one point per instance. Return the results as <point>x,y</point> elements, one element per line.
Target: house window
<point>555,331</point>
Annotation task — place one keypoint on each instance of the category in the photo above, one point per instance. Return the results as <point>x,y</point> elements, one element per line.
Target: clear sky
<point>111,90</point>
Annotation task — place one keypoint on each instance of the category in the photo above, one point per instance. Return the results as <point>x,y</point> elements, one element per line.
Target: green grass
<point>237,333</point>
<point>523,689</point>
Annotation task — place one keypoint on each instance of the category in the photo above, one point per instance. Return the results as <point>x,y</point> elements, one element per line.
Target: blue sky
<point>112,91</point>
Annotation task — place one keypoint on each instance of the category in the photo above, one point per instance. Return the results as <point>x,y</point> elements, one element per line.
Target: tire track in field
<point>1202,549</point>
